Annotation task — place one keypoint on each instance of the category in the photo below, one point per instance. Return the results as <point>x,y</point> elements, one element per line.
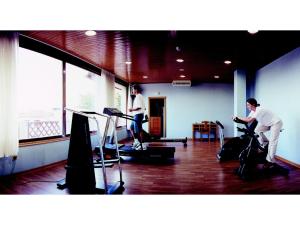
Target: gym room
<point>70,125</point>
<point>188,79</point>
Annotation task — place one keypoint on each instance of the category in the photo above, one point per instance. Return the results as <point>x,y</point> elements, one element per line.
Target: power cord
<point>13,164</point>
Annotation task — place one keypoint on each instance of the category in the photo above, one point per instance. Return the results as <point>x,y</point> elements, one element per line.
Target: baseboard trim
<point>287,161</point>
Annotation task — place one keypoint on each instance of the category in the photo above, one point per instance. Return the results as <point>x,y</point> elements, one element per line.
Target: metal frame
<point>93,117</point>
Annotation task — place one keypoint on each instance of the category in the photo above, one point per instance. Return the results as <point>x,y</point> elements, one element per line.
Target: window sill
<point>44,141</point>
<point>48,140</point>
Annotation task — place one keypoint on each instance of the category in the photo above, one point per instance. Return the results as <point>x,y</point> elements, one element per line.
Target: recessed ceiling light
<point>252,31</point>
<point>128,62</point>
<point>216,77</point>
<point>227,62</point>
<point>182,76</point>
<point>90,33</point>
<point>179,60</point>
<point>181,69</point>
<point>145,77</point>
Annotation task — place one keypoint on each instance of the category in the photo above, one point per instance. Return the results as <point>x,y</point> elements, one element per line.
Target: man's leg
<point>132,129</point>
<point>138,129</point>
<point>274,137</point>
<point>134,136</point>
<point>260,129</point>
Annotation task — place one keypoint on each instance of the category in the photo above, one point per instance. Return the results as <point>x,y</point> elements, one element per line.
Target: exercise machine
<point>253,155</point>
<point>81,164</point>
<point>150,138</point>
<point>151,150</point>
<point>231,149</point>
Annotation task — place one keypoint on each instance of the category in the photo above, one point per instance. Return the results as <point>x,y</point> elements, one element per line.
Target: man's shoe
<point>141,147</point>
<point>138,147</point>
<point>135,143</point>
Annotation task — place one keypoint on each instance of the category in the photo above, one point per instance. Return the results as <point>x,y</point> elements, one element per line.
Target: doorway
<point>157,116</point>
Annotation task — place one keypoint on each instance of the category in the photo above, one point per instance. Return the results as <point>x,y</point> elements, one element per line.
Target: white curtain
<point>9,141</point>
<point>106,87</point>
<point>110,88</point>
<point>106,93</point>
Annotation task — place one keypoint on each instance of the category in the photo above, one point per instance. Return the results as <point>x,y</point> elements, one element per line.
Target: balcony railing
<point>29,129</point>
<point>38,128</point>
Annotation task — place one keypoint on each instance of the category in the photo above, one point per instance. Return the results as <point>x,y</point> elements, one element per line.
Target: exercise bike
<point>253,155</point>
<point>232,148</point>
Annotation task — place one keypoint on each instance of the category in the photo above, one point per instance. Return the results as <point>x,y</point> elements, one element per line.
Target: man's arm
<point>138,103</point>
<point>134,109</point>
<point>246,119</point>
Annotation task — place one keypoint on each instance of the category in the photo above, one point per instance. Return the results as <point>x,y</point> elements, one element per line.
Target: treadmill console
<point>112,112</point>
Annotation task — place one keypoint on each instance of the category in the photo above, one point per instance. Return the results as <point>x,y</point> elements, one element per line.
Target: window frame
<point>64,57</point>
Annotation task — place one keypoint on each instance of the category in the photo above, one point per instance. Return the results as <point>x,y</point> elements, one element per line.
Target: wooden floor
<point>195,170</point>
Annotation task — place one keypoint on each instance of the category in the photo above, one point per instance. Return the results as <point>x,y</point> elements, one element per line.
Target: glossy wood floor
<point>195,170</point>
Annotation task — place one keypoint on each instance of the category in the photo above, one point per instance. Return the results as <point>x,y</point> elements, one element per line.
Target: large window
<point>120,101</point>
<point>83,90</point>
<point>39,95</point>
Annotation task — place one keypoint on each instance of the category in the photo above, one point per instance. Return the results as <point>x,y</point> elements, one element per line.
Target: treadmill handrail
<point>115,112</point>
<point>87,114</point>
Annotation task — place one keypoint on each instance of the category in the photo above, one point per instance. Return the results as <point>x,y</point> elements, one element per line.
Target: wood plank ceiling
<point>153,54</point>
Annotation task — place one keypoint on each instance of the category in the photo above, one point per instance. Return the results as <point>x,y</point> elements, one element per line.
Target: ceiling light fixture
<point>128,62</point>
<point>90,33</point>
<point>180,60</point>
<point>252,31</point>
<point>182,76</point>
<point>145,77</point>
<point>181,70</point>
<point>216,77</point>
<point>227,62</point>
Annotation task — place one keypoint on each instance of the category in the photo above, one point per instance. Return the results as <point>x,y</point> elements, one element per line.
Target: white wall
<point>239,97</point>
<point>187,105</point>
<point>35,156</point>
<point>277,88</point>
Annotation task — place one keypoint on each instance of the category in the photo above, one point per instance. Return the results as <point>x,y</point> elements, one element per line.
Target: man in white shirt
<point>267,120</point>
<point>137,110</point>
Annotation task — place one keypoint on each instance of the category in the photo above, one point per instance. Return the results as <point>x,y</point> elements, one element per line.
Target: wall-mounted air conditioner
<point>181,83</point>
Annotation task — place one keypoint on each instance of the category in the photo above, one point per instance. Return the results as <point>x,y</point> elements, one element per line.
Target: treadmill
<point>152,150</point>
<point>149,138</point>
<point>81,164</point>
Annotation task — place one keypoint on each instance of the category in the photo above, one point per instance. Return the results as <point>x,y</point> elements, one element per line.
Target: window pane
<point>120,102</point>
<point>82,92</point>
<point>39,95</point>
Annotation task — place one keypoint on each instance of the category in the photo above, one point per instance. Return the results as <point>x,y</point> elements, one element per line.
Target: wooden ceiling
<point>154,53</point>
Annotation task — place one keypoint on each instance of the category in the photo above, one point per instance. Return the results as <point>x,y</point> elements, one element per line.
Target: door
<point>157,116</point>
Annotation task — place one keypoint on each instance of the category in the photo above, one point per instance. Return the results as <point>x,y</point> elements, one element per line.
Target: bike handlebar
<point>237,120</point>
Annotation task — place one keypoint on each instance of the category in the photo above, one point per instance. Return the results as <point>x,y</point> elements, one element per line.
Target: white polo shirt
<point>139,103</point>
<point>264,116</point>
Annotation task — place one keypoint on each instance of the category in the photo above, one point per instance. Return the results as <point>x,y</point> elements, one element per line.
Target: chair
<point>204,129</point>
<point>213,130</point>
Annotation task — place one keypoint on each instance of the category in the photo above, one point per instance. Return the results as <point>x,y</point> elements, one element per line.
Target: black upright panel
<point>80,176</point>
